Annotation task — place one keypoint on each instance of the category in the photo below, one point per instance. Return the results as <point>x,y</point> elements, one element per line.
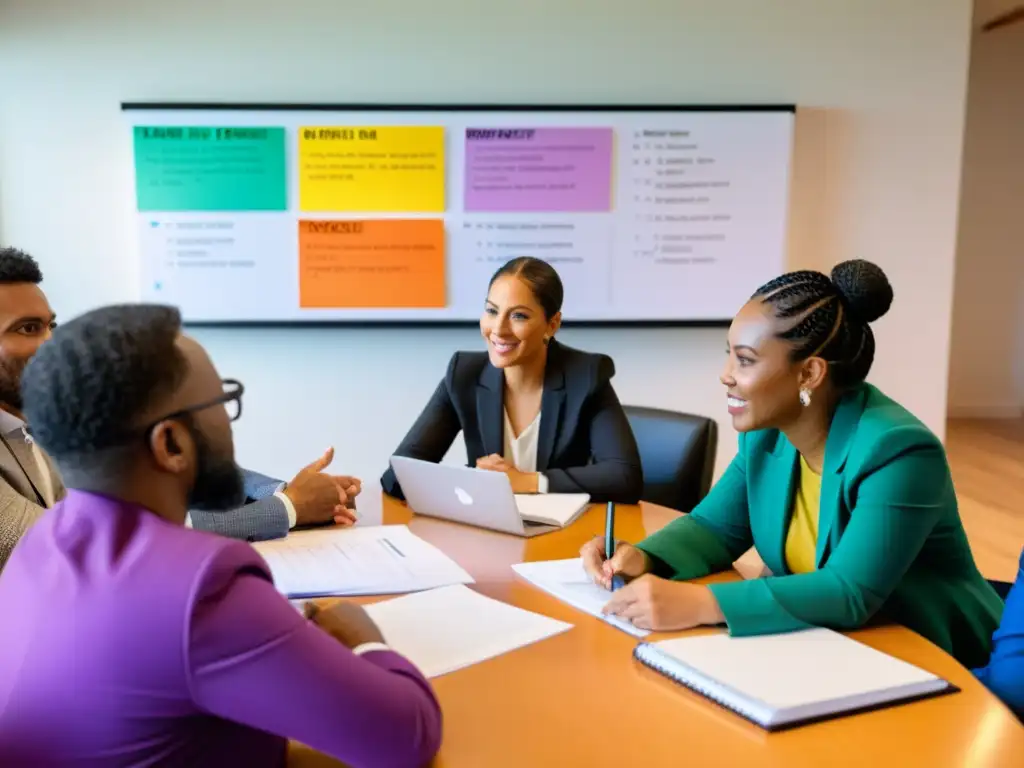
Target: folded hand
<point>494,463</point>
<point>522,482</point>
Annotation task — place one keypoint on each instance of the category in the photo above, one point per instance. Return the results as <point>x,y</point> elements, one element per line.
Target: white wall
<point>986,371</point>
<point>876,172</point>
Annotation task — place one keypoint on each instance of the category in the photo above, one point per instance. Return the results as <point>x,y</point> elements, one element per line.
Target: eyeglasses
<point>231,400</point>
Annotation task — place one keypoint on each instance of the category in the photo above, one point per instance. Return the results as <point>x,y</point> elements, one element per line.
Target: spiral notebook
<point>781,681</point>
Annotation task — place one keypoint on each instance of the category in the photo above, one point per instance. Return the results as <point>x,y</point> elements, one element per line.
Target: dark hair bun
<point>864,287</point>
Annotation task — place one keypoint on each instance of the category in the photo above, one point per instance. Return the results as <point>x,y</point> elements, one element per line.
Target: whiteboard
<point>312,213</point>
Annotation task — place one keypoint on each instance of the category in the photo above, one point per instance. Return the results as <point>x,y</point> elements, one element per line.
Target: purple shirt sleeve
<point>253,659</point>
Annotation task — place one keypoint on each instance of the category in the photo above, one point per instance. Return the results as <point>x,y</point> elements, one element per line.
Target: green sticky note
<point>210,168</point>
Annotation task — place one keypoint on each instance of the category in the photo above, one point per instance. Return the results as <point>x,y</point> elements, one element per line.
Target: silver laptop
<point>483,498</point>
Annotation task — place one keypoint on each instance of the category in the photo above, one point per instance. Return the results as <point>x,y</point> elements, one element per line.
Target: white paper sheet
<point>377,560</point>
<point>566,580</point>
<point>449,628</point>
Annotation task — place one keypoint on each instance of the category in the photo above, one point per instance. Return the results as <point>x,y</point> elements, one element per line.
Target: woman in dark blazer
<point>541,412</point>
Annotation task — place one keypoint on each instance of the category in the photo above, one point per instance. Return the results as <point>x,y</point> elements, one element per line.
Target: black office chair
<point>677,453</point>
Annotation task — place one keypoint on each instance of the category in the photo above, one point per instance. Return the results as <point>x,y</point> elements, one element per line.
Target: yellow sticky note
<point>391,168</point>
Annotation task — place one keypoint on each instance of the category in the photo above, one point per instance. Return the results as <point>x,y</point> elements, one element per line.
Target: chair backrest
<point>677,452</point>
<point>1002,588</point>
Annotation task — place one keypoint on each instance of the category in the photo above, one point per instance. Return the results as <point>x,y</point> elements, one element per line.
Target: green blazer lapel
<point>837,447</point>
<point>772,506</point>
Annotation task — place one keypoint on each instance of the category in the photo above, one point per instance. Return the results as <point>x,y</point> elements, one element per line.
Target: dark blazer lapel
<point>551,406</point>
<point>490,409</point>
<point>837,446</point>
<point>774,501</point>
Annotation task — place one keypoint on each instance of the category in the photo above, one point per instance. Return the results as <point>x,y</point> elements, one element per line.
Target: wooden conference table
<point>579,698</point>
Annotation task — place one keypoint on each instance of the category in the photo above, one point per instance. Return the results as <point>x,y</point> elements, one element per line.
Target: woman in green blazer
<point>846,495</point>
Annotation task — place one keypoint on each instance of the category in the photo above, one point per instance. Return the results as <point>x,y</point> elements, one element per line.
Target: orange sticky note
<point>393,263</point>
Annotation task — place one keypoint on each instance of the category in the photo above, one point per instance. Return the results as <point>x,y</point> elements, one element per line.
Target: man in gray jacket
<point>29,483</point>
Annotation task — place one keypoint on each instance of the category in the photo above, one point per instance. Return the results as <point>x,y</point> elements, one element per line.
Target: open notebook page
<point>789,677</point>
<point>551,508</point>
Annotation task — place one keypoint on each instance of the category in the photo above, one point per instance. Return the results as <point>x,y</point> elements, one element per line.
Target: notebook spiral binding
<point>648,655</point>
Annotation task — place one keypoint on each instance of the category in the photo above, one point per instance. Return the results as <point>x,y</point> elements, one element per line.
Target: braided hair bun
<point>864,288</point>
<point>828,318</point>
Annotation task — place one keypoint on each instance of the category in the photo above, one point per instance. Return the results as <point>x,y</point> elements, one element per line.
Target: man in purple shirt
<point>128,639</point>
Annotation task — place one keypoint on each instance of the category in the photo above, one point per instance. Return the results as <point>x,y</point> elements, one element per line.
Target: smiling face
<point>761,379</point>
<point>513,323</point>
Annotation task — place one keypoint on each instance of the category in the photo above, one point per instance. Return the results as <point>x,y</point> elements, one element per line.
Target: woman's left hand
<point>522,482</point>
<point>660,605</point>
<point>494,463</point>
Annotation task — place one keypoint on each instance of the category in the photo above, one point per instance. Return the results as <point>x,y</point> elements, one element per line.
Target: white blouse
<point>521,451</point>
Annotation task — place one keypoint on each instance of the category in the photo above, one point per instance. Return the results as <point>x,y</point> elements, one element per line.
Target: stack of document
<point>566,580</point>
<point>446,629</point>
<point>378,560</point>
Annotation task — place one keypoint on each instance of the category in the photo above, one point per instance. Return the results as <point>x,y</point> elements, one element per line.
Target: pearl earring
<point>805,397</point>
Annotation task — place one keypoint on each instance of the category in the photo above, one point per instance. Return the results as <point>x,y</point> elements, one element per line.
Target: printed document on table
<point>445,629</point>
<point>566,580</point>
<point>377,560</point>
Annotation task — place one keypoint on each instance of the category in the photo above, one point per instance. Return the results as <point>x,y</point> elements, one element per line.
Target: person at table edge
<point>135,640</point>
<point>29,483</point>
<point>542,412</point>
<point>1004,672</point>
<point>846,496</point>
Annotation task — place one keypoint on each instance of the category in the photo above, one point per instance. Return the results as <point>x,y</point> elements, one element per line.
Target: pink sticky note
<point>538,169</point>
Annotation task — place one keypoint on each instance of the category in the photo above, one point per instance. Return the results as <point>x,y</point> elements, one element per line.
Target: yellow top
<point>802,537</point>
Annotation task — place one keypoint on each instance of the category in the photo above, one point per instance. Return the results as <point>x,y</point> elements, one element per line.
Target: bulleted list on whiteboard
<point>287,216</point>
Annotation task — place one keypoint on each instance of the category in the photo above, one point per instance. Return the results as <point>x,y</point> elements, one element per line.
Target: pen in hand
<point>609,543</point>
